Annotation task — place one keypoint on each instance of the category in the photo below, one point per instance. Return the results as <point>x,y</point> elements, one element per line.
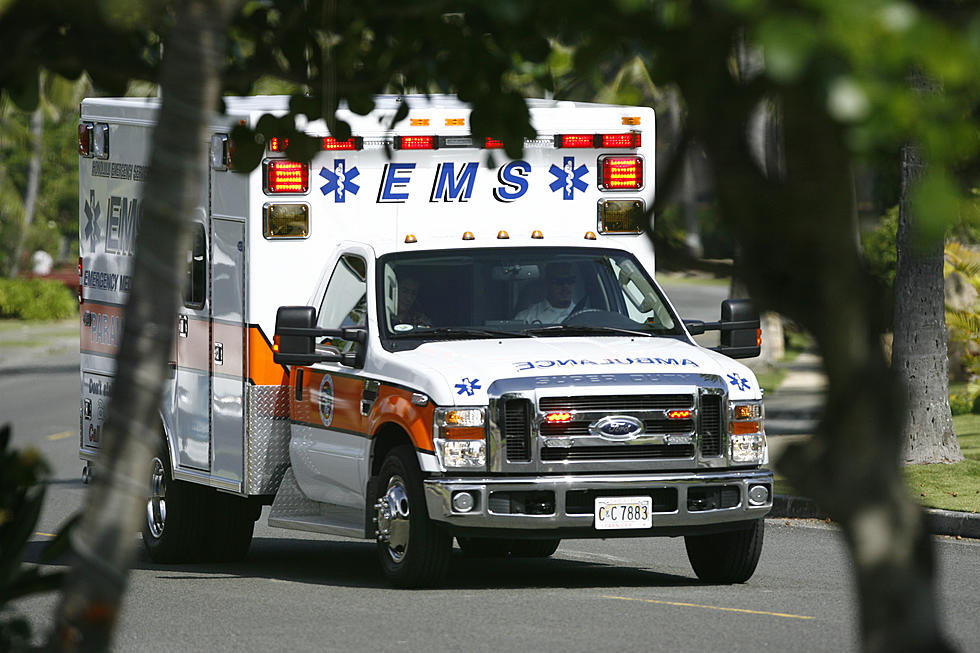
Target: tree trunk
<point>808,269</point>
<point>33,183</point>
<point>919,351</point>
<point>104,545</point>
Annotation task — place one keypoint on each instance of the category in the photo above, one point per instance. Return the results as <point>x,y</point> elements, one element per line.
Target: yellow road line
<point>44,534</point>
<point>711,607</point>
<point>60,436</point>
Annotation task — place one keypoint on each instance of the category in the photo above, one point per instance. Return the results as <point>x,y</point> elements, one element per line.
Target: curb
<point>939,522</point>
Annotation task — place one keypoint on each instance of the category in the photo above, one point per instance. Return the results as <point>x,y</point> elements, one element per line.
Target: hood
<point>469,367</point>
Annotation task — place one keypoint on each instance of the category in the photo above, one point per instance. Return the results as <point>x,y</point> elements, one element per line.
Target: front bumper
<point>560,504</point>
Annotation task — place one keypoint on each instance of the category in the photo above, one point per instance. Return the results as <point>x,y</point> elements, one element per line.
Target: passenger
<point>557,304</point>
<point>408,291</point>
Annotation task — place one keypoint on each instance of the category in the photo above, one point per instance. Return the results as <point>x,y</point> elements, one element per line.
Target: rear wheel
<point>726,558</point>
<point>413,550</point>
<point>186,522</point>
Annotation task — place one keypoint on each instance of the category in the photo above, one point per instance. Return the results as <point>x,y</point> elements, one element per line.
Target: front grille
<point>517,429</point>
<point>654,426</point>
<point>615,403</point>
<point>620,452</point>
<point>711,425</point>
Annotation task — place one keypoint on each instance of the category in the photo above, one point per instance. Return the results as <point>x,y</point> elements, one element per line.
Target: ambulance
<point>414,339</point>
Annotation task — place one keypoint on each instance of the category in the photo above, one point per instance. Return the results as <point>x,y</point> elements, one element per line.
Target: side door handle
<point>182,325</point>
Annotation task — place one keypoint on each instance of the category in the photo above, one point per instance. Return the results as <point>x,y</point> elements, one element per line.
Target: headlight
<point>747,436</point>
<point>460,437</point>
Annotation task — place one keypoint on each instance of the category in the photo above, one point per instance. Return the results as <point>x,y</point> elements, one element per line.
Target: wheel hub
<point>393,518</point>
<point>156,503</point>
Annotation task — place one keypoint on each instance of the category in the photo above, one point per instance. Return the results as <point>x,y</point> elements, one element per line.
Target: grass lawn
<point>956,486</point>
<point>949,487</point>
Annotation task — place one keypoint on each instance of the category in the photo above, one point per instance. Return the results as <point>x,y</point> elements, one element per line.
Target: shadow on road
<point>354,564</point>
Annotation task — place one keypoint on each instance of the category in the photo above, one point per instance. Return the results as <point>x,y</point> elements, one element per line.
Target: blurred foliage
<point>879,248</point>
<point>22,474</point>
<point>36,299</point>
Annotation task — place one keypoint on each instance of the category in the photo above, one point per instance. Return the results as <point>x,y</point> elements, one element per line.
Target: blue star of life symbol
<point>737,381</point>
<point>568,178</point>
<point>93,232</point>
<point>468,387</point>
<point>339,180</point>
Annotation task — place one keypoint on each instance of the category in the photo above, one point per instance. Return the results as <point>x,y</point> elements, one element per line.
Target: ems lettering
<point>394,179</point>
<point>539,364</point>
<point>449,186</point>
<point>513,180</point>
<point>123,225</point>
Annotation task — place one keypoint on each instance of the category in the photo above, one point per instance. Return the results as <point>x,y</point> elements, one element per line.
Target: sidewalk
<point>38,347</point>
<point>792,413</point>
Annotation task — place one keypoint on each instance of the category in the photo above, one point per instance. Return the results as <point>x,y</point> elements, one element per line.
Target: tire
<point>175,523</point>
<point>413,550</point>
<point>726,558</point>
<point>186,522</point>
<point>534,548</point>
<point>484,547</point>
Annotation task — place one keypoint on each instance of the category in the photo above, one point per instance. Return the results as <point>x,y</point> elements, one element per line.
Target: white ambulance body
<point>539,387</point>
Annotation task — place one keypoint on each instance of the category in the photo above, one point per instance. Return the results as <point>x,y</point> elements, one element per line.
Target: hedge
<point>36,299</point>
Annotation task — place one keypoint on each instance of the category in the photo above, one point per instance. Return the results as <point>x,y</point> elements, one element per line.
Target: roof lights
<point>416,143</point>
<point>629,140</point>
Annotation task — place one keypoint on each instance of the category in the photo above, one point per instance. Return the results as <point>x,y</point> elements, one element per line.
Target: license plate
<point>623,512</point>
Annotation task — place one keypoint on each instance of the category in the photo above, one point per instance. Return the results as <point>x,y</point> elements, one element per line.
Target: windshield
<point>518,292</point>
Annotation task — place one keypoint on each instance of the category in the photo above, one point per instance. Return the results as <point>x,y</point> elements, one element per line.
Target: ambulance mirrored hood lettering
<point>522,366</point>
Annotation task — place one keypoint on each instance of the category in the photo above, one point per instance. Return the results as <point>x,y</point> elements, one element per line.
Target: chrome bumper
<point>486,513</point>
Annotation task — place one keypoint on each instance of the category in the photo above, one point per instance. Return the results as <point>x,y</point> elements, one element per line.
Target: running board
<point>294,510</point>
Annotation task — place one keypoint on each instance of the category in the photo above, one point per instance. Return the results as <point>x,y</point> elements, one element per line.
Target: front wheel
<point>726,558</point>
<point>414,551</point>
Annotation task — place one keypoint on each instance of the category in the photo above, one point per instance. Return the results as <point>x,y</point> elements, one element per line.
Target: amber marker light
<point>275,343</point>
<point>468,235</point>
<point>410,238</point>
<point>590,235</point>
<point>744,428</point>
<point>503,235</point>
<point>537,234</point>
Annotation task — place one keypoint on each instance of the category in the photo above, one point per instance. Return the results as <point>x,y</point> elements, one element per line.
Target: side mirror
<point>296,334</point>
<point>741,334</point>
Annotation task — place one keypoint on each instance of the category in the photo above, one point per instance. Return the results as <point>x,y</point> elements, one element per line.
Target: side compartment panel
<point>228,353</point>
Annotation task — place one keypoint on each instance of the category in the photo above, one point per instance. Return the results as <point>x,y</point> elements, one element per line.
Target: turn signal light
<point>353,143</point>
<point>744,428</point>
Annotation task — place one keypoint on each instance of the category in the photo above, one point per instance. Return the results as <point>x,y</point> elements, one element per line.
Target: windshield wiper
<point>582,329</point>
<point>451,332</point>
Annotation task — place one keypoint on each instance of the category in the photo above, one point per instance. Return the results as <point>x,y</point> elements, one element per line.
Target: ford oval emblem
<point>617,427</point>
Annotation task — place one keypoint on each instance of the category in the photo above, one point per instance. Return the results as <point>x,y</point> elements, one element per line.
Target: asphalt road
<point>303,592</point>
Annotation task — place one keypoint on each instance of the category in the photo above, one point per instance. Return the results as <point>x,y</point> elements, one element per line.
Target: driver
<point>557,304</point>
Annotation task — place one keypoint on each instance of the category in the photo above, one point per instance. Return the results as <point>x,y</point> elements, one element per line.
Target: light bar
<point>282,176</point>
<point>416,143</point>
<point>621,173</point>
<point>590,141</point>
<point>277,144</point>
<point>493,144</point>
<point>628,140</point>
<point>353,143</point>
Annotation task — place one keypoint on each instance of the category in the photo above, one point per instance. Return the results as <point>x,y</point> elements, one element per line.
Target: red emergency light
<point>630,140</point>
<point>85,138</point>
<point>493,144</point>
<point>621,172</point>
<point>679,414</point>
<point>331,144</point>
<point>277,144</point>
<point>416,143</point>
<point>558,418</point>
<point>282,177</point>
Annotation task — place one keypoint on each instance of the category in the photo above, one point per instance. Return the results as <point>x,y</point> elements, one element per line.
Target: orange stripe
<point>394,405</point>
<point>262,370</point>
